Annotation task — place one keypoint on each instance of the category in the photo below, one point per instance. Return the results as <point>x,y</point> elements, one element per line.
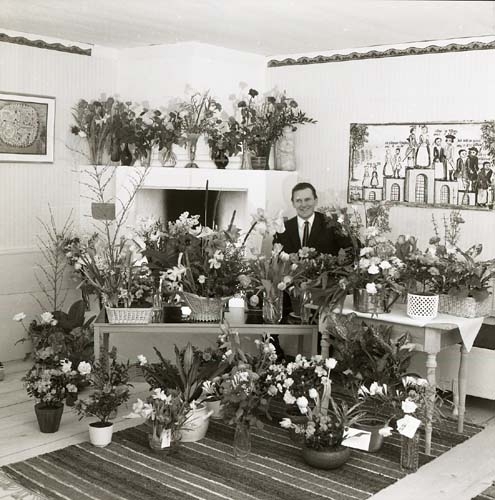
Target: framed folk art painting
<point>423,164</point>
<point>27,128</point>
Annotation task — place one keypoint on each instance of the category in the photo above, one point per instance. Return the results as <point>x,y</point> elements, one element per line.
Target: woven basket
<point>205,309</point>
<point>466,307</point>
<point>129,315</point>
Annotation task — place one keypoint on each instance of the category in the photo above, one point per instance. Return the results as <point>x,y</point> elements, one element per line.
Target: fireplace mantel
<point>267,189</point>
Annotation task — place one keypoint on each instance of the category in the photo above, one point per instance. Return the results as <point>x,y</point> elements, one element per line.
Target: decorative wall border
<point>41,44</point>
<point>379,54</point>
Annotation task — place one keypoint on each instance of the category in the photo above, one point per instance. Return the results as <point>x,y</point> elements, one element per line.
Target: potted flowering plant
<point>325,429</point>
<point>93,122</point>
<point>225,139</point>
<point>49,381</point>
<point>204,261</point>
<point>263,120</point>
<point>464,281</point>
<point>191,370</point>
<point>110,389</point>
<point>166,413</point>
<point>245,388</point>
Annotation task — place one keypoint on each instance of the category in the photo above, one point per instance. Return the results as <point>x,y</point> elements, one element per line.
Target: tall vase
<point>192,144</point>
<point>242,440</point>
<point>155,156</point>
<point>115,150</point>
<point>284,156</point>
<point>169,159</point>
<point>272,306</point>
<point>409,453</point>
<point>220,159</point>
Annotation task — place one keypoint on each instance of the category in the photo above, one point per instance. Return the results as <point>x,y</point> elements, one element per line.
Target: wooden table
<point>102,331</point>
<point>429,338</point>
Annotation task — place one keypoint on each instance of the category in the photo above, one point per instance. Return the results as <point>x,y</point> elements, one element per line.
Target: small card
<point>103,211</point>
<point>166,434</point>
<point>357,438</point>
<point>408,425</point>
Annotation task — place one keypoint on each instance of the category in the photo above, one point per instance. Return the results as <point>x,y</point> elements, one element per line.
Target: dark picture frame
<point>27,128</point>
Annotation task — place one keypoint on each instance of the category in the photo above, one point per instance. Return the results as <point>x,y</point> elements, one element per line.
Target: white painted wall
<point>440,87</point>
<point>154,74</point>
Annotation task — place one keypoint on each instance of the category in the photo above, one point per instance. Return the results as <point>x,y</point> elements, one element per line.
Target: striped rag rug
<point>128,469</point>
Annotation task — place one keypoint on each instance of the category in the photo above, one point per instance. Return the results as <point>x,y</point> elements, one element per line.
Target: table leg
<point>96,342</point>
<point>462,380</point>
<point>300,344</point>
<point>431,365</point>
<point>314,342</point>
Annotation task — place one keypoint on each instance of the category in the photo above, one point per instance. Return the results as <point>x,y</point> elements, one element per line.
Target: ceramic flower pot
<point>326,458</point>
<point>372,425</point>
<point>100,433</point>
<point>422,306</point>
<point>48,417</point>
<point>196,424</point>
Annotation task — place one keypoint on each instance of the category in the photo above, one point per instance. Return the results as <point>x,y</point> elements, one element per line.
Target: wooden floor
<point>459,474</point>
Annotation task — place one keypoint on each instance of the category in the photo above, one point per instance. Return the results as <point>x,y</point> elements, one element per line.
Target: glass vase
<point>192,144</point>
<point>162,440</point>
<point>242,440</point>
<point>246,158</point>
<point>272,307</point>
<point>409,453</point>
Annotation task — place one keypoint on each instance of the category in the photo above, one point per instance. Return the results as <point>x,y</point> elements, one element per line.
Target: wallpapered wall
<point>437,87</point>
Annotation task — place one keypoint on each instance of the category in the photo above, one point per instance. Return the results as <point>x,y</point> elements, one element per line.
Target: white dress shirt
<point>300,226</point>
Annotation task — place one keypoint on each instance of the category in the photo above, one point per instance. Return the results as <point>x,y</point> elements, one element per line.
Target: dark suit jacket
<point>322,238</point>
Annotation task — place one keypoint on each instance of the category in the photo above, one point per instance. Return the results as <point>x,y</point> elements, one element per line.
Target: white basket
<point>129,315</point>
<point>422,307</point>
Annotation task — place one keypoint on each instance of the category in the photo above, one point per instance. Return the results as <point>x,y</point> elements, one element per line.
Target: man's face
<point>304,202</point>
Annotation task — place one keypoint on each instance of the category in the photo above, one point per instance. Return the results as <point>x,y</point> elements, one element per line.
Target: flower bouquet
<point>166,413</point>
<point>94,122</point>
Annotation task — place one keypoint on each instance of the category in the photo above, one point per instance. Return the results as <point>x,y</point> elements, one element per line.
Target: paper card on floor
<point>357,438</point>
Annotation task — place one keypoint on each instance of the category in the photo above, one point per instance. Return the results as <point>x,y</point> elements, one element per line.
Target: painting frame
<point>391,161</point>
<point>32,140</point>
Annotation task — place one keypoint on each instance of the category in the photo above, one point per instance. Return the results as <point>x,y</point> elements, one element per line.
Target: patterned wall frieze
<point>41,44</point>
<point>379,54</point>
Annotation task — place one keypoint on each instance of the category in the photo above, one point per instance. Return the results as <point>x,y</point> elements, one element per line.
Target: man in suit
<point>309,228</point>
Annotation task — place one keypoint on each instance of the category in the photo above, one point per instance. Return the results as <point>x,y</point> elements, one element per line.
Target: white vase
<point>196,424</point>
<point>100,436</point>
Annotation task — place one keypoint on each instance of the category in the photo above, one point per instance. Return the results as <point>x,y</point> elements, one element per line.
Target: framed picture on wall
<point>27,128</point>
<point>446,164</point>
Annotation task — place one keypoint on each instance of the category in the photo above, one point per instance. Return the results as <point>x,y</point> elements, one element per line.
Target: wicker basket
<point>129,315</point>
<point>466,307</point>
<point>205,309</point>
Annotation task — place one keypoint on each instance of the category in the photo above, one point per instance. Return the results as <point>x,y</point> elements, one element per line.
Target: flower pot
<point>221,160</point>
<point>172,313</point>
<point>71,399</point>
<point>2,373</point>
<point>373,303</point>
<point>422,306</point>
<point>409,453</point>
<point>326,458</point>
<point>48,417</point>
<point>296,418</point>
<point>372,425</point>
<point>216,408</point>
<point>196,424</point>
<point>135,315</point>
<point>205,309</point>
<point>466,307</point>
<point>100,433</point>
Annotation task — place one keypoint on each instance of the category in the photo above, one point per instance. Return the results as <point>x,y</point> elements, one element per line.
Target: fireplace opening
<point>178,201</point>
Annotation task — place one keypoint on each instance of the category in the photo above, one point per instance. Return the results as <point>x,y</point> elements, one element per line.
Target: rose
<point>409,406</point>
<point>371,288</point>
<point>302,403</point>
<point>84,368</point>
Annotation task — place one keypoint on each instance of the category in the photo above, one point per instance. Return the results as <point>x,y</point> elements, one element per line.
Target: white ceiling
<point>266,27</point>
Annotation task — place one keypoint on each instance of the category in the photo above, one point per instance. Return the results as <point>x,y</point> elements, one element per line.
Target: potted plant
<point>263,120</point>
<point>192,368</point>
<point>225,140</point>
<point>110,389</point>
<point>49,381</point>
<point>167,415</point>
<point>2,371</point>
<point>325,429</point>
<point>464,281</point>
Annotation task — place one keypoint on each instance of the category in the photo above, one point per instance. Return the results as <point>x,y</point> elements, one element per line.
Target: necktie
<point>305,234</point>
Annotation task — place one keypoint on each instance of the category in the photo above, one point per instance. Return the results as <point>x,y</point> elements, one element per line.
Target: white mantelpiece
<point>267,189</point>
